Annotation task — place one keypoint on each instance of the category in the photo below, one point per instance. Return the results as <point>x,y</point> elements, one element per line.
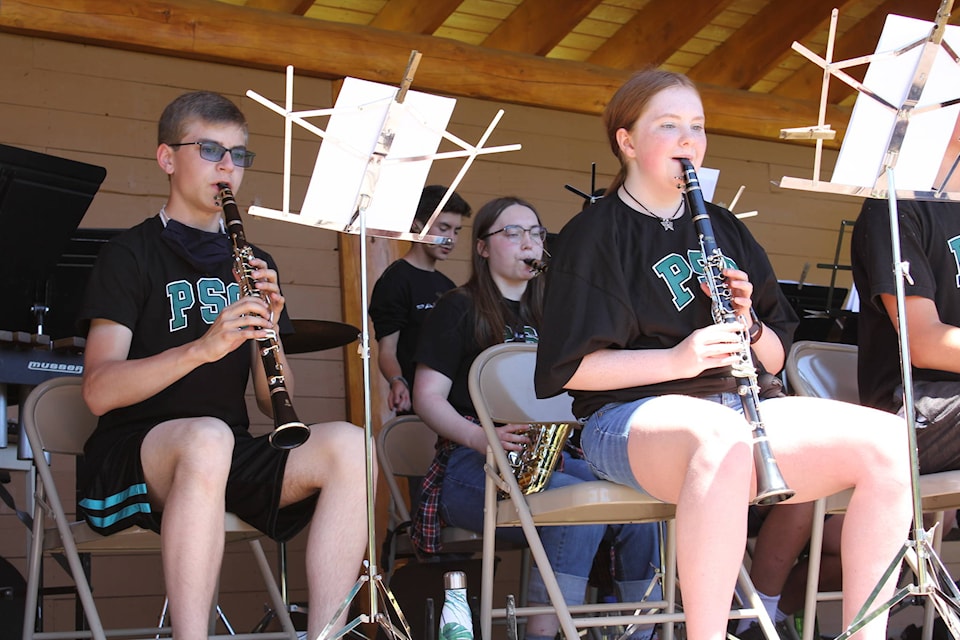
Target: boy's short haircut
<point>430,198</point>
<point>205,106</point>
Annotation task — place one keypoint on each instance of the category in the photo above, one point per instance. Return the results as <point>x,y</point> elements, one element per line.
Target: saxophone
<point>771,487</point>
<point>289,432</point>
<point>533,465</point>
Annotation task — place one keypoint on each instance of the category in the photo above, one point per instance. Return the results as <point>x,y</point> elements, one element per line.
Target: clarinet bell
<point>289,436</point>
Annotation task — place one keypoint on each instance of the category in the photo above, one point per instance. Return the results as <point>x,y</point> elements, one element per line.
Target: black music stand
<point>42,200</point>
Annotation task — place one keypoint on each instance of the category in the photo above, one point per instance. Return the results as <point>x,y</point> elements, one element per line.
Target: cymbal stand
<point>933,581</point>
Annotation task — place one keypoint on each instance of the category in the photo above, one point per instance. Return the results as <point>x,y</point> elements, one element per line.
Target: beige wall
<point>100,106</point>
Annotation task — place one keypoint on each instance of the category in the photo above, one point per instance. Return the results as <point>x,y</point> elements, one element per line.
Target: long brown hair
<point>629,103</point>
<point>490,316</point>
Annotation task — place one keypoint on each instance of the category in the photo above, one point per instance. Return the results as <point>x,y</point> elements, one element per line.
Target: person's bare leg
<point>186,463</point>
<point>782,537</point>
<point>794,591</point>
<point>824,447</point>
<point>706,471</point>
<point>333,461</point>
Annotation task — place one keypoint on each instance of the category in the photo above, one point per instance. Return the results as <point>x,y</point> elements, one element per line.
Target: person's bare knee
<point>196,450</point>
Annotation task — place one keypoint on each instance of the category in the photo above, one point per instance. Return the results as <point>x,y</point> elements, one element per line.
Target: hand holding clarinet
<point>771,487</point>
<point>289,431</point>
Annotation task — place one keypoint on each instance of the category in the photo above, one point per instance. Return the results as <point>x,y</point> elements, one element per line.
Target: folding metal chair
<point>829,370</point>
<point>56,420</point>
<point>501,387</point>
<point>405,449</point>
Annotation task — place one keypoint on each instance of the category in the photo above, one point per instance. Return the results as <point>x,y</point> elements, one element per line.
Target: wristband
<point>401,379</point>
<point>756,329</point>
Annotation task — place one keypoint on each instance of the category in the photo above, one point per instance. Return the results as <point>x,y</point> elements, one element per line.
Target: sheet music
<point>925,150</point>
<point>352,134</point>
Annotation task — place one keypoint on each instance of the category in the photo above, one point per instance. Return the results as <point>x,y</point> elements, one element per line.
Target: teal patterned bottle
<point>456,621</point>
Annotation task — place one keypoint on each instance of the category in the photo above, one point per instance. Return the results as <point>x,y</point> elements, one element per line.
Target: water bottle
<point>456,620</point>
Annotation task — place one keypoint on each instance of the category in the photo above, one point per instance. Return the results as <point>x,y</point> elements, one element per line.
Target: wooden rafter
<point>414,16</point>
<point>655,32</point>
<point>553,21</point>
<point>745,57</point>
<point>293,7</point>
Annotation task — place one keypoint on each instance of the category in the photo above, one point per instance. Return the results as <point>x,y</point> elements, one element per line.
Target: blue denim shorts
<point>605,433</point>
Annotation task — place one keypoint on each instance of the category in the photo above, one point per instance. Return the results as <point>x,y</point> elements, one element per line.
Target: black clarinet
<point>771,487</point>
<point>289,432</point>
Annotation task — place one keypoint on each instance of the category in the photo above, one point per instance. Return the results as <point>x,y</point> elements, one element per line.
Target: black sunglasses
<point>214,152</point>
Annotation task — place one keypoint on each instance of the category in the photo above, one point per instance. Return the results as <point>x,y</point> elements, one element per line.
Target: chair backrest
<point>55,413</point>
<point>405,449</point>
<point>823,370</point>
<point>503,377</point>
<point>406,446</point>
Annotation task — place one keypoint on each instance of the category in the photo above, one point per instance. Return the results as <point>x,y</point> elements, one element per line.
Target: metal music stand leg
<point>933,580</point>
<point>377,589</point>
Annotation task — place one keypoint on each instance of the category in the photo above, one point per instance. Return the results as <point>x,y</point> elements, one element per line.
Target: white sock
<point>780,617</point>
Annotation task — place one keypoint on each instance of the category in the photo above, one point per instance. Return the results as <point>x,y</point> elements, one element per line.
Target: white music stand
<point>374,160</point>
<point>907,101</point>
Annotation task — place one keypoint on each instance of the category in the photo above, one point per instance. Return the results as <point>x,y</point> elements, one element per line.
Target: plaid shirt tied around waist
<point>427,524</point>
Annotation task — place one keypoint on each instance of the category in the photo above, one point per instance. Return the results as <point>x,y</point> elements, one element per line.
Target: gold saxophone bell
<point>532,466</point>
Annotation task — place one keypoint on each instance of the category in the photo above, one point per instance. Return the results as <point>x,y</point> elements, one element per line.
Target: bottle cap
<point>454,580</point>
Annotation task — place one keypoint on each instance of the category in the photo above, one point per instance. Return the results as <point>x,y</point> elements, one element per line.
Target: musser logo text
<point>55,367</point>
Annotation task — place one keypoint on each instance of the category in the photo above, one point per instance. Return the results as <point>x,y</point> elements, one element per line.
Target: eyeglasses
<point>214,152</point>
<point>514,233</point>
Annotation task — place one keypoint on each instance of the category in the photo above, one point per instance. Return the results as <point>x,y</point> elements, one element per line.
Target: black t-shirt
<point>448,344</point>
<point>402,298</point>
<point>139,282</point>
<point>930,242</point>
<point>620,281</point>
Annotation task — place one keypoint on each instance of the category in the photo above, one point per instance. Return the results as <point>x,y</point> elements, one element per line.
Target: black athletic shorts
<point>937,407</point>
<point>114,493</point>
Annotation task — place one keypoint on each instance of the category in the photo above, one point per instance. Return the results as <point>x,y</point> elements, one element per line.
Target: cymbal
<point>317,335</point>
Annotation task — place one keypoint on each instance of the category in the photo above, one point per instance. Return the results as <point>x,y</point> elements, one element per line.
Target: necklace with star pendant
<point>666,223</point>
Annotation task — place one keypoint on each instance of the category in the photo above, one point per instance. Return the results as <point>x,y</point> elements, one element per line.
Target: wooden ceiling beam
<point>655,33</point>
<point>537,26</point>
<point>414,16</point>
<point>860,40</point>
<point>293,7</point>
<point>756,47</point>
<point>219,32</point>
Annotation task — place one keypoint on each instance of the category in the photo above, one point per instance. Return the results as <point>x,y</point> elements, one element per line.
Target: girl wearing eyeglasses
<point>502,302</point>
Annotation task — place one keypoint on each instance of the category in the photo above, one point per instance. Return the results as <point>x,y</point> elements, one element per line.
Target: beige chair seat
<point>597,502</point>
<point>134,539</point>
<point>938,492</point>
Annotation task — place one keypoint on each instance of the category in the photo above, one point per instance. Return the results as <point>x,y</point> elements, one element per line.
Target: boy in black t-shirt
<point>407,291</point>
<point>171,346</point>
<point>930,239</point>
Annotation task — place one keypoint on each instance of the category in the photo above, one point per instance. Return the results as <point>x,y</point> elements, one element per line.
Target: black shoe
<point>785,631</point>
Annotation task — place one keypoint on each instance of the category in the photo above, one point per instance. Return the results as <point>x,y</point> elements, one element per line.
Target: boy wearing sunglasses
<point>169,352</point>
